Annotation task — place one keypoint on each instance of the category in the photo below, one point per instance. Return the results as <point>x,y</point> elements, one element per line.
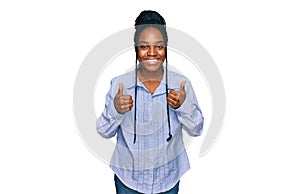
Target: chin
<point>153,68</point>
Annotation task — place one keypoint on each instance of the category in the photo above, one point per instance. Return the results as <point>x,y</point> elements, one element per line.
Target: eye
<point>143,47</point>
<point>159,46</point>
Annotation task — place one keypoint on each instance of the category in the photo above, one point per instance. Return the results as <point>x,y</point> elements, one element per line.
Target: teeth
<point>152,61</point>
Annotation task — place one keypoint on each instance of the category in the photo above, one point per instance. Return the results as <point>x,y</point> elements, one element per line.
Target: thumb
<point>120,92</point>
<point>182,86</point>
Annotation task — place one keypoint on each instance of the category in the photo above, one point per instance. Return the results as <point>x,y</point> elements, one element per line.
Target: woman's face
<point>151,49</point>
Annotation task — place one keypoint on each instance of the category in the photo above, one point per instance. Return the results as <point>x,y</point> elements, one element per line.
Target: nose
<point>152,51</point>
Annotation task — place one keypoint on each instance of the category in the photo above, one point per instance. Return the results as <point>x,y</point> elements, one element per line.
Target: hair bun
<point>149,17</point>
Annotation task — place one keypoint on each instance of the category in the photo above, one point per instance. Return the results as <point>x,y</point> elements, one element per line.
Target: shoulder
<point>176,75</point>
<point>127,79</point>
<point>175,79</point>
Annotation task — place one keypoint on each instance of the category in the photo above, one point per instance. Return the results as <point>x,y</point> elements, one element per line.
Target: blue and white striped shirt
<point>151,165</point>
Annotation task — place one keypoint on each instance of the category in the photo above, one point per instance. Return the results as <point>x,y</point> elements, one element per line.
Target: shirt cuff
<point>185,108</point>
<point>114,113</point>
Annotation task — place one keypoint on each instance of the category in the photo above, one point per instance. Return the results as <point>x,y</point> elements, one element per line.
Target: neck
<point>145,75</point>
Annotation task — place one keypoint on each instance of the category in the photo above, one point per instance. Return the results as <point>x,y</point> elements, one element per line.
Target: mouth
<point>152,61</point>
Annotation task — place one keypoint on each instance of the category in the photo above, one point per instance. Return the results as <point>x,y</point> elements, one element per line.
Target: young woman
<point>147,109</point>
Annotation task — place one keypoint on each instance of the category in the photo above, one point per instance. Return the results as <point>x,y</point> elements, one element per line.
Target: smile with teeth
<point>151,61</point>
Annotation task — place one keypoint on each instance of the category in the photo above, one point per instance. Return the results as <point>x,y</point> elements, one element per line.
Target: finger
<point>172,104</point>
<point>182,86</point>
<point>173,92</point>
<point>125,97</point>
<point>120,92</point>
<point>126,107</point>
<point>173,96</point>
<point>169,102</point>
<point>130,105</point>
<point>172,101</point>
<point>126,101</point>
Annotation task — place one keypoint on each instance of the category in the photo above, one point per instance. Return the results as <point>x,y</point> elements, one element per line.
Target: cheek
<point>162,53</point>
<point>141,53</point>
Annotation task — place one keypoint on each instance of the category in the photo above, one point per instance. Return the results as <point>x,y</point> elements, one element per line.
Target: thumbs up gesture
<point>176,98</point>
<point>122,103</point>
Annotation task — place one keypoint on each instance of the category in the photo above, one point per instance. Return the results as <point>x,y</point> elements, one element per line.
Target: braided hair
<point>147,19</point>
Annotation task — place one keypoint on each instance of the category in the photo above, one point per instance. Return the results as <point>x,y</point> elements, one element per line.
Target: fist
<point>176,98</point>
<point>122,103</point>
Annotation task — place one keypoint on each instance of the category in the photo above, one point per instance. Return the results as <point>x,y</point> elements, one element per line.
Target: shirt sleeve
<point>189,113</point>
<point>109,121</point>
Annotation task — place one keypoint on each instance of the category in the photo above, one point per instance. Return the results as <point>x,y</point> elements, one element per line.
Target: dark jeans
<point>123,189</point>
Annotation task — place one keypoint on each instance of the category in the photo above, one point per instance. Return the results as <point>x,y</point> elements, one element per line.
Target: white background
<point>255,45</point>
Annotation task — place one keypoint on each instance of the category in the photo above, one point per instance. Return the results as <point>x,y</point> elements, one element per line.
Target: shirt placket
<point>151,142</point>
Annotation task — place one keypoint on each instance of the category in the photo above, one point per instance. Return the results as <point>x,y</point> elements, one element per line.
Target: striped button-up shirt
<point>151,164</point>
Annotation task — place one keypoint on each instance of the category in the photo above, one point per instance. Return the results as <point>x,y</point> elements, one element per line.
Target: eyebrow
<point>145,42</point>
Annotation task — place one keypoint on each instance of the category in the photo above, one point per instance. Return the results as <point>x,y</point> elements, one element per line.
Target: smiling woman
<point>151,54</point>
<point>148,108</point>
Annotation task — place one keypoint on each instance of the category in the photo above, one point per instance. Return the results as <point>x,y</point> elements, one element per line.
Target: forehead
<point>150,34</point>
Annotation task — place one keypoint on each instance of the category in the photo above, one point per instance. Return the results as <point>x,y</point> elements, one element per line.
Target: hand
<point>176,98</point>
<point>122,103</point>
